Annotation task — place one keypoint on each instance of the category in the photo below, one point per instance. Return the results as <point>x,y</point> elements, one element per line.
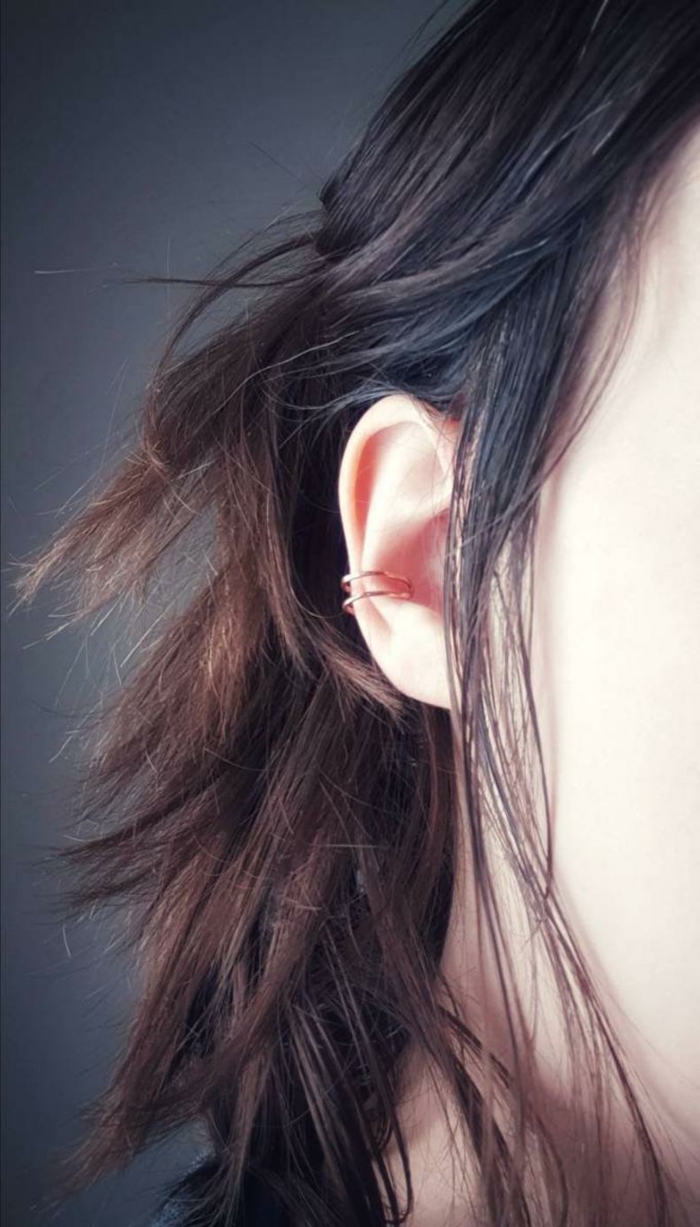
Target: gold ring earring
<point>401,595</point>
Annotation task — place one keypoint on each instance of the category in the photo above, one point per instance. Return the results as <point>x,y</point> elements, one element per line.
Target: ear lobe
<point>394,489</point>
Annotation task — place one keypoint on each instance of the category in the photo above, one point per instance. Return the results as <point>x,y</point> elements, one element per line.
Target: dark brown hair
<point>280,821</point>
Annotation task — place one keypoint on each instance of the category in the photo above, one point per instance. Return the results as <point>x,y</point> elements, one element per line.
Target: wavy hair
<point>278,821</point>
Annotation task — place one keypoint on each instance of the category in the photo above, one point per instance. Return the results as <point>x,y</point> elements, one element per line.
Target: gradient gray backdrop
<point>137,138</point>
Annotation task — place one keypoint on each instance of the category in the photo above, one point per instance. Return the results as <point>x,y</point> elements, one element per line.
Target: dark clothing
<point>183,1204</point>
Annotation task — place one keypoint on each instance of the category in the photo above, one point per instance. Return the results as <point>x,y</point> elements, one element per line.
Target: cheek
<point>616,673</point>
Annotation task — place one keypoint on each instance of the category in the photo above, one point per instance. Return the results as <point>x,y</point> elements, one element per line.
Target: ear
<point>394,488</point>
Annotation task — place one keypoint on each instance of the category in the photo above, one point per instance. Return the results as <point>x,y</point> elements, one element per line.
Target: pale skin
<point>616,671</point>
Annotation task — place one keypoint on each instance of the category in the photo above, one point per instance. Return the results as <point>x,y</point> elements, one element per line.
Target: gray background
<point>137,138</point>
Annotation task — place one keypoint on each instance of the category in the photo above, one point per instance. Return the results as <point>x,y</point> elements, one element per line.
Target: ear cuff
<point>404,592</point>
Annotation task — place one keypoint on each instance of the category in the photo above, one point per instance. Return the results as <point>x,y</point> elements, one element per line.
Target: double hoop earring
<point>403,594</point>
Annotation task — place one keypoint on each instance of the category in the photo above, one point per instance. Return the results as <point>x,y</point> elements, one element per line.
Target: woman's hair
<point>279,821</point>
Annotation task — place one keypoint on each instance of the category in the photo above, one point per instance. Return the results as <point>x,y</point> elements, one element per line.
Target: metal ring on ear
<point>347,580</point>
